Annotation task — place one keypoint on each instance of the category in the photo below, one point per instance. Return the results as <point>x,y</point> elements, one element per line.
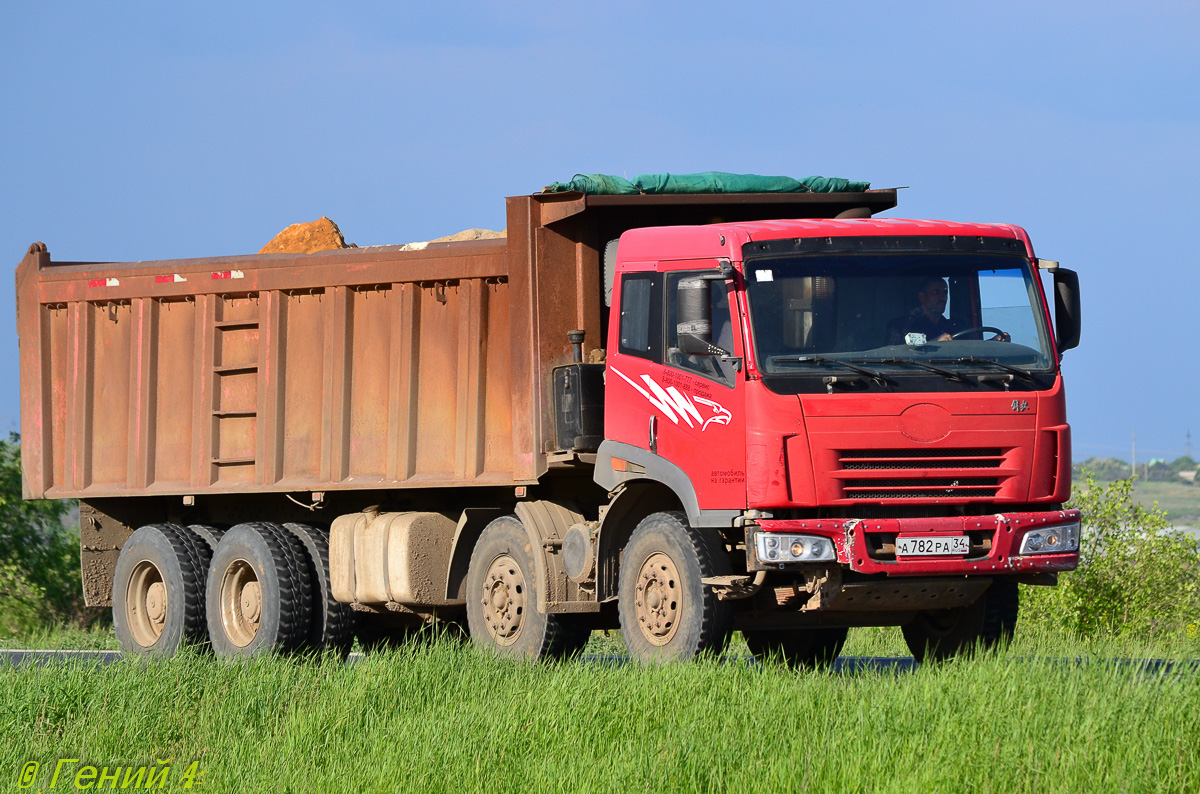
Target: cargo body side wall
<point>294,377</point>
<point>559,291</point>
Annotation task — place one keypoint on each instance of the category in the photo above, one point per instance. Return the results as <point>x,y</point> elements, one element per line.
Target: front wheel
<point>935,635</point>
<point>667,612</point>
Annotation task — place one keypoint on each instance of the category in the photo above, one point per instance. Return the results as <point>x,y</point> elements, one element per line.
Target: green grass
<point>100,638</point>
<point>444,717</point>
<point>885,642</point>
<point>1180,501</point>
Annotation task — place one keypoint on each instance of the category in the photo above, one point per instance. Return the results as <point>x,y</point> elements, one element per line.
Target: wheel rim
<point>503,600</point>
<point>657,599</point>
<point>241,603</point>
<point>146,604</point>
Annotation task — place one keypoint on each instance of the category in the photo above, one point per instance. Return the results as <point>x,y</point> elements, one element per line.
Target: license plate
<point>932,547</point>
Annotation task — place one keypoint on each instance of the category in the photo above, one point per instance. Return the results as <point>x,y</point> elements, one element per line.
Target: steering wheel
<point>988,328</point>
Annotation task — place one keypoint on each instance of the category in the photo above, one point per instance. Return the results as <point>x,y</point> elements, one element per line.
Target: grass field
<point>443,717</point>
<point>886,642</point>
<point>1180,501</point>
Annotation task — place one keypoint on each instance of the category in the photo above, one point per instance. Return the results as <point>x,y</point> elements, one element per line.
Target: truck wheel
<point>940,634</point>
<point>502,587</point>
<point>258,592</point>
<point>158,591</point>
<point>332,623</point>
<point>801,649</point>
<point>667,613</point>
<point>209,534</point>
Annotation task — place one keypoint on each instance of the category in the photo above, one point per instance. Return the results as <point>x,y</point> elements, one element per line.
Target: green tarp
<point>706,182</point>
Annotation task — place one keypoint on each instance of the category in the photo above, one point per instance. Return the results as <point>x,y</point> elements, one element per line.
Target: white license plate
<point>932,547</point>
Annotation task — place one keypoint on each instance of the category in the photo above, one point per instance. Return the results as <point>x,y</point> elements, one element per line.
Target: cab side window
<point>641,315</point>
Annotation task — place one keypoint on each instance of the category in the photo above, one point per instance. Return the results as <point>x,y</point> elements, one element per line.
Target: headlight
<point>1052,540</point>
<point>775,547</point>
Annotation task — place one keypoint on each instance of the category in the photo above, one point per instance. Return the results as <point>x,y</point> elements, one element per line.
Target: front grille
<point>931,473</point>
<point>910,459</point>
<point>923,494</point>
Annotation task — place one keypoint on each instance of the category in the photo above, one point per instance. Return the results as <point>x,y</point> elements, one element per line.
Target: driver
<point>927,318</point>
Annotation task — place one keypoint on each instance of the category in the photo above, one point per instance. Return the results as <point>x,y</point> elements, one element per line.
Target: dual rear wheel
<point>257,588</point>
<point>158,590</point>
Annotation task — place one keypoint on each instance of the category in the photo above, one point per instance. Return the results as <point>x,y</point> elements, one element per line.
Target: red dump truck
<point>679,414</point>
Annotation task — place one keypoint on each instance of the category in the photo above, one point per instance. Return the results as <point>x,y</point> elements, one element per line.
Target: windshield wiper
<point>943,372</point>
<point>977,360</point>
<point>875,376</point>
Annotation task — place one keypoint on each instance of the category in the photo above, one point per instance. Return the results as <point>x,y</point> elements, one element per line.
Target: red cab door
<point>689,410</point>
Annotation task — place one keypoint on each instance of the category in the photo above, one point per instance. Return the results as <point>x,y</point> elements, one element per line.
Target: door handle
<point>654,433</point>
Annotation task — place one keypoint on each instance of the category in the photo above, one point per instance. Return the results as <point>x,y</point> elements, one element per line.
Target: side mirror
<point>1066,308</point>
<point>694,317</point>
<point>693,326</point>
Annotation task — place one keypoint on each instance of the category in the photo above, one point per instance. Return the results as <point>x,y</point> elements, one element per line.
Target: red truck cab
<point>875,403</point>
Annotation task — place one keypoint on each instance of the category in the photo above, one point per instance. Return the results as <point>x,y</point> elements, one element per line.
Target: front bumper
<point>869,545</point>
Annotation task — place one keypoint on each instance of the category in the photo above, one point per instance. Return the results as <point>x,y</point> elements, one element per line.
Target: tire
<point>158,591</point>
<point>800,649</point>
<point>989,622</point>
<point>210,534</point>
<point>258,594</point>
<point>502,588</point>
<point>667,613</point>
<point>331,625</point>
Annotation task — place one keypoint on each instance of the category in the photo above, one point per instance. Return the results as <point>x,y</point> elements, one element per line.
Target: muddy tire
<point>799,649</point>
<point>331,624</point>
<point>502,588</point>
<point>936,635</point>
<point>666,611</point>
<point>258,595</point>
<point>158,591</point>
<point>208,533</point>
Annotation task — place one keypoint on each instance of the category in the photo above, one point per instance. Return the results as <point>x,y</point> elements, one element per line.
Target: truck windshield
<point>944,313</point>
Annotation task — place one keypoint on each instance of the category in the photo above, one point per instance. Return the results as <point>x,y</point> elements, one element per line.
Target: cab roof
<point>728,239</point>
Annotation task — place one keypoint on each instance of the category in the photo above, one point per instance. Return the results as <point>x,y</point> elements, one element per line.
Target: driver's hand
<point>944,338</point>
<point>1002,337</point>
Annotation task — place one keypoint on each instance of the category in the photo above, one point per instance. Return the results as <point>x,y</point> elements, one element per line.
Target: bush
<point>39,553</point>
<point>21,603</point>
<point>1136,573</point>
<point>1103,468</point>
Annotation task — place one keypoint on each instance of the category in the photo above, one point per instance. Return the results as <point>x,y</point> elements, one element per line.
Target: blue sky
<point>154,130</point>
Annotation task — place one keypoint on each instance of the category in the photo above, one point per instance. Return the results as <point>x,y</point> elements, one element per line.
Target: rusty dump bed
<point>362,368</point>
